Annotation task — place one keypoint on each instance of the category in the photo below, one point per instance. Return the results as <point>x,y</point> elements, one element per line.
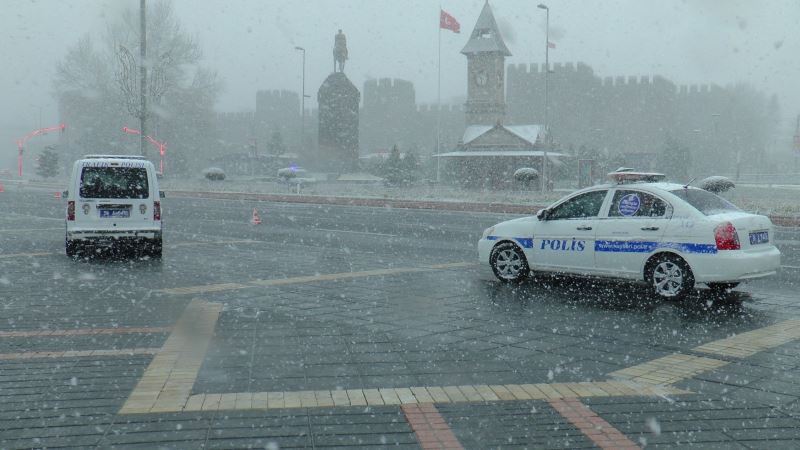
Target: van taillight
<point>71,210</point>
<point>726,237</point>
<point>156,210</point>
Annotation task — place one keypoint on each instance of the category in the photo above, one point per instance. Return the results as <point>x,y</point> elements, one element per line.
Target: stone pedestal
<point>338,124</point>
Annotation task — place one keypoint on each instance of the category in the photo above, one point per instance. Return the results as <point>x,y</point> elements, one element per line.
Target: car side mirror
<point>542,214</point>
<point>161,194</point>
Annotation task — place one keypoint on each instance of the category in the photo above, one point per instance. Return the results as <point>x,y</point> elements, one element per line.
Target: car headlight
<point>487,232</point>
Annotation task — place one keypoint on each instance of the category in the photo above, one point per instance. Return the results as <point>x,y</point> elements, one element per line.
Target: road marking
<point>79,353</point>
<point>18,255</point>
<point>602,433</point>
<point>752,342</point>
<point>23,230</point>
<point>169,378</point>
<point>355,232</point>
<point>430,428</point>
<point>84,331</point>
<point>676,367</point>
<point>197,243</point>
<point>669,369</point>
<point>191,290</point>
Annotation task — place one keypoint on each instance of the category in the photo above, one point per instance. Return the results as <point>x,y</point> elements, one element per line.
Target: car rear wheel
<point>670,277</point>
<point>509,263</point>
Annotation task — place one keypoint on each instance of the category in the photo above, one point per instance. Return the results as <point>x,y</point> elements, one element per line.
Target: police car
<point>113,199</point>
<point>637,227</point>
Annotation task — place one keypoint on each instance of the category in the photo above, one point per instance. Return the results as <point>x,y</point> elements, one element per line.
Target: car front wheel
<point>670,277</point>
<point>509,263</point>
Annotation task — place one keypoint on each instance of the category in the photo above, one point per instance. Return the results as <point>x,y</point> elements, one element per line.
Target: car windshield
<point>114,182</point>
<point>706,202</point>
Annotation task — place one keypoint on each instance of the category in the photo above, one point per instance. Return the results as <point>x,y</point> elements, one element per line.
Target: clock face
<point>481,78</point>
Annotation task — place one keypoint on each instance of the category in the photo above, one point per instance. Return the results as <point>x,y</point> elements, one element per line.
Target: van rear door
<point>113,196</point>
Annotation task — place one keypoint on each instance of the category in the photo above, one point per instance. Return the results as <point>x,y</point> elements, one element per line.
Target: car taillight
<point>70,210</point>
<point>726,237</point>
<point>156,210</point>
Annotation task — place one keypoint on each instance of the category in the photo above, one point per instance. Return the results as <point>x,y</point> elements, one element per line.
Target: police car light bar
<point>113,157</point>
<point>629,176</point>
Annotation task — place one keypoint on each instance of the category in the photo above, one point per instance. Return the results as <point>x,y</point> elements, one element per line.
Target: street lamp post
<point>546,93</point>
<point>303,103</point>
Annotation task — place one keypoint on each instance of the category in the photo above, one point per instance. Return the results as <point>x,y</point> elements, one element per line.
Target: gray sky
<point>251,44</point>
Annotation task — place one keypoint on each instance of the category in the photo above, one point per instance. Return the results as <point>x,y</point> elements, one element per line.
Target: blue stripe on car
<point>647,247</point>
<point>525,242</point>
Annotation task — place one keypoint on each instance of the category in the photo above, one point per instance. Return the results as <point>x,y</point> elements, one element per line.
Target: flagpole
<point>439,101</point>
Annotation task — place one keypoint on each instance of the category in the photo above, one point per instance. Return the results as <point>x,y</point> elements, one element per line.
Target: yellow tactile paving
<point>414,395</point>
<point>752,342</point>
<point>669,369</point>
<point>220,287</point>
<point>167,382</point>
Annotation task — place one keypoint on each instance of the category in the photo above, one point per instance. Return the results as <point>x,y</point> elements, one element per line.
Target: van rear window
<point>114,182</point>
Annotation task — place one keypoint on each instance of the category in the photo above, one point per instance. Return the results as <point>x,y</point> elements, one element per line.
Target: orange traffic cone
<point>58,194</point>
<point>255,220</point>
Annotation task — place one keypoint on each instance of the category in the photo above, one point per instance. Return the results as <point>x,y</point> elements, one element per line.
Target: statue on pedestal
<point>339,52</point>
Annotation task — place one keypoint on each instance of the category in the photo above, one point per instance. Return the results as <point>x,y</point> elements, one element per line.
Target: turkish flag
<point>448,22</point>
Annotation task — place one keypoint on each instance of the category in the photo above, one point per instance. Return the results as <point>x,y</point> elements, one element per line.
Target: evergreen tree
<point>392,168</point>
<point>675,160</point>
<point>411,167</point>
<point>47,163</point>
<point>275,146</point>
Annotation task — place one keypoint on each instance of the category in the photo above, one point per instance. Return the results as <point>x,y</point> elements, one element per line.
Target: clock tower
<point>486,54</point>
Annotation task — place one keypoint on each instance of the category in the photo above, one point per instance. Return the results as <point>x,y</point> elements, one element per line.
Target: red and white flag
<point>448,22</point>
<point>551,44</point>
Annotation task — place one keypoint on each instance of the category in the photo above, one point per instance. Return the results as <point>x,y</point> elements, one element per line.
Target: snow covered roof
<point>528,133</point>
<point>500,153</point>
<point>486,35</point>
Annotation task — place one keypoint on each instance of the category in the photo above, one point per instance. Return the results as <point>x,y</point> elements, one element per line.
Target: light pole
<point>546,92</point>
<point>142,74</point>
<point>303,103</point>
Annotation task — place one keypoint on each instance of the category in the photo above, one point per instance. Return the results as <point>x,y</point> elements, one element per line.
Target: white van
<point>113,199</point>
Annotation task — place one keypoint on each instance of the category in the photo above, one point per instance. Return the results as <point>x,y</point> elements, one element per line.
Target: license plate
<point>759,237</point>
<point>114,213</point>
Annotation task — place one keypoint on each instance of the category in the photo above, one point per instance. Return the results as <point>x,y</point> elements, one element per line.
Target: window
<point>114,182</point>
<point>584,205</point>
<point>704,201</point>
<point>628,203</point>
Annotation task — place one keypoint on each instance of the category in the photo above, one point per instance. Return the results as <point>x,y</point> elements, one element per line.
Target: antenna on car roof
<point>686,186</point>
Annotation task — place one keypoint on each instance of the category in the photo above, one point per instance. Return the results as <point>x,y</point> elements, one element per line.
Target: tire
<point>669,277</point>
<point>508,263</point>
<point>71,248</point>
<point>721,288</point>
<point>154,248</point>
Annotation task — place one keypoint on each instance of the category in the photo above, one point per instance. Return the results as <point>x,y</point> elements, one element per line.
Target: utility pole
<point>546,94</point>
<point>142,76</point>
<point>303,103</point>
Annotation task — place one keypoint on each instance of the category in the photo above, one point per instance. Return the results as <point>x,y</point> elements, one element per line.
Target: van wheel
<point>71,248</point>
<point>669,276</point>
<point>155,248</point>
<point>508,263</point>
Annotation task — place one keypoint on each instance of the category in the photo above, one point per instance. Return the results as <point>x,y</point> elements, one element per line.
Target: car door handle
<point>649,228</point>
<point>584,227</point>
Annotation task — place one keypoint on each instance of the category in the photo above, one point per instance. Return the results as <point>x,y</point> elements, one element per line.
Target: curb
<point>503,208</point>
